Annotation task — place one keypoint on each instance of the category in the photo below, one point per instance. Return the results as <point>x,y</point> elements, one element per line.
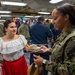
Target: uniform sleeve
<point>68,67</point>
<point>23,39</point>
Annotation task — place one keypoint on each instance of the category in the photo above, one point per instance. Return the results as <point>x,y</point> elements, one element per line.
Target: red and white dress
<point>14,62</point>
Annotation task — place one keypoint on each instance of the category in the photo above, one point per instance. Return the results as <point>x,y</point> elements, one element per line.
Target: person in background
<point>1,30</point>
<point>11,48</point>
<point>39,34</point>
<point>24,30</point>
<point>55,32</point>
<point>28,23</point>
<point>63,52</point>
<point>34,21</point>
<point>47,23</point>
<point>17,25</point>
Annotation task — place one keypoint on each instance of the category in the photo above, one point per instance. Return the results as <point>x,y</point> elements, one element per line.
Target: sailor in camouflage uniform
<point>1,31</point>
<point>24,30</point>
<point>63,52</point>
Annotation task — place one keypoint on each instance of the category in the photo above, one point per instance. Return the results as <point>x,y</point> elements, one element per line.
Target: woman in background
<point>11,47</point>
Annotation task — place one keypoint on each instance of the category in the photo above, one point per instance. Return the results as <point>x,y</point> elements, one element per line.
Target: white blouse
<point>12,50</point>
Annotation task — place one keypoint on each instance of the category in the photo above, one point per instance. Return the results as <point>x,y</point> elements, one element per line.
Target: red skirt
<point>17,67</point>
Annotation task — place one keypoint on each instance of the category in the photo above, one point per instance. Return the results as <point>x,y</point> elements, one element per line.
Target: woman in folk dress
<point>11,48</point>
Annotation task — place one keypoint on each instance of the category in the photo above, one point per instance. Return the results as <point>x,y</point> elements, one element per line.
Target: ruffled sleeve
<point>0,44</point>
<point>23,39</point>
<point>12,46</point>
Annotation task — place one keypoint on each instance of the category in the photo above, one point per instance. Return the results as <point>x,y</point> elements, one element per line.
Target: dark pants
<point>45,56</point>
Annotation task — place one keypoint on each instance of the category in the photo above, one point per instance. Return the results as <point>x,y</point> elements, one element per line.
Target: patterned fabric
<point>1,31</point>
<point>63,54</point>
<point>24,30</point>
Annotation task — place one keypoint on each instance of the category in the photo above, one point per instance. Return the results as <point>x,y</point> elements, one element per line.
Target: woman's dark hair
<point>68,9</point>
<point>6,24</point>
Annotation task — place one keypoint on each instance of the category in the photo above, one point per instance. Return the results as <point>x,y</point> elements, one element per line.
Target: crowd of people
<point>61,33</point>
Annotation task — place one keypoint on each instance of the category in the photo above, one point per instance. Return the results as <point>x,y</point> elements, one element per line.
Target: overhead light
<point>37,16</point>
<point>1,23</point>
<point>55,1</point>
<point>32,16</point>
<point>29,16</point>
<point>46,19</point>
<point>5,15</point>
<point>5,11</point>
<point>46,13</point>
<point>13,3</point>
<point>2,20</point>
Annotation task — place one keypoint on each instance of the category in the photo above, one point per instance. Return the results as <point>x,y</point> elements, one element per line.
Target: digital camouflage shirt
<point>1,31</point>
<point>24,30</point>
<point>63,54</point>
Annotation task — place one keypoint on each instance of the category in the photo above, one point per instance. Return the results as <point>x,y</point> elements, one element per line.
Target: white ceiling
<point>33,6</point>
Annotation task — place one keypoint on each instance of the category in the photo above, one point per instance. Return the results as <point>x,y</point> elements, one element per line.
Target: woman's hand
<point>38,60</point>
<point>43,49</point>
<point>26,49</point>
